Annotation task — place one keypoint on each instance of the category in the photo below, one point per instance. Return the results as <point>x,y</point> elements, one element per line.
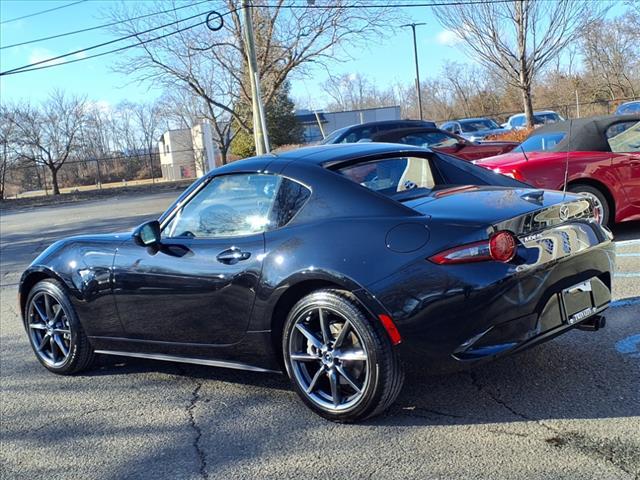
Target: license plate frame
<point>578,303</point>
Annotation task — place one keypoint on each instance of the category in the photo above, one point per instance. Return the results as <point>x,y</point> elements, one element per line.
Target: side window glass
<point>518,121</point>
<point>228,206</point>
<point>624,137</point>
<point>359,134</point>
<point>290,199</point>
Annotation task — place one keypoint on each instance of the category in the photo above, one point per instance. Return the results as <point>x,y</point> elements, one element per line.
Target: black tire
<point>379,377</point>
<point>80,354</point>
<point>597,193</point>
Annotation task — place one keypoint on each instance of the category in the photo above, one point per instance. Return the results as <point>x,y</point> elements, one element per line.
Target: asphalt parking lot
<point>567,409</point>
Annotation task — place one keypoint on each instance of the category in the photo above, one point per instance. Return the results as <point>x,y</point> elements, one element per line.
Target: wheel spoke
<point>310,336</point>
<point>52,347</point>
<point>47,307</point>
<point>38,326</point>
<point>57,315</point>
<point>314,380</point>
<point>43,317</point>
<point>342,335</point>
<point>344,375</point>
<point>324,326</point>
<point>335,387</point>
<point>351,354</point>
<point>63,348</point>
<point>43,342</point>
<point>304,357</point>
<point>61,331</point>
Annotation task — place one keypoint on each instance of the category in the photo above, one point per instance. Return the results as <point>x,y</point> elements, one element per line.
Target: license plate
<point>578,302</point>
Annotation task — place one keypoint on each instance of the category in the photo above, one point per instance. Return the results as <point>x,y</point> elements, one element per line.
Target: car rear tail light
<point>501,247</point>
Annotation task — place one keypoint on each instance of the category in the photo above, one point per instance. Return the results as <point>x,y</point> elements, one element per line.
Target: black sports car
<point>333,263</point>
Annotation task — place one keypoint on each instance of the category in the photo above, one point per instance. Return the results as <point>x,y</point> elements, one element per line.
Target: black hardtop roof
<point>322,154</point>
<point>587,134</point>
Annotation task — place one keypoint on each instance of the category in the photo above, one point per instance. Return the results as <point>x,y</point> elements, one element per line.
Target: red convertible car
<point>603,158</point>
<point>444,142</point>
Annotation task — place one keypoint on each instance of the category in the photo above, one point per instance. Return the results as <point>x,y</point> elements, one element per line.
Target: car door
<point>624,141</point>
<point>199,286</point>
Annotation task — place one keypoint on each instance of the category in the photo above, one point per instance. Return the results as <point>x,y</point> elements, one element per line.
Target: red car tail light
<point>501,247</point>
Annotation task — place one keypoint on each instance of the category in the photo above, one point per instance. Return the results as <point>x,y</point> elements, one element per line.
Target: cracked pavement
<point>568,409</point>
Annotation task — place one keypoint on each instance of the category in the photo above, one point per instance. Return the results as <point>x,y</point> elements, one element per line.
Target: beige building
<point>187,152</point>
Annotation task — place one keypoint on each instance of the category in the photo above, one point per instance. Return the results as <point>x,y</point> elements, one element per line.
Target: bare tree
<point>7,144</point>
<point>213,65</point>
<point>352,91</point>
<point>48,136</point>
<point>611,52</point>
<point>518,39</point>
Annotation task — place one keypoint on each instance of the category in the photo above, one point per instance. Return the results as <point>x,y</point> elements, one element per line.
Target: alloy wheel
<point>329,360</point>
<point>597,205</point>
<point>49,329</point>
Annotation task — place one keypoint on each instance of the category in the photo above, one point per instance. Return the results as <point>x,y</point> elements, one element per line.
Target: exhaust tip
<point>593,324</point>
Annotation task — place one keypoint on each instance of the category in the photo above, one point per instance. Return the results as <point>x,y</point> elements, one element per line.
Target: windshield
<point>476,125</point>
<point>542,142</point>
<point>333,136</point>
<point>629,108</point>
<point>547,117</point>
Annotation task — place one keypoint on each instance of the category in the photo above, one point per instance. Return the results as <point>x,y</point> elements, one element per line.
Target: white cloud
<point>448,38</point>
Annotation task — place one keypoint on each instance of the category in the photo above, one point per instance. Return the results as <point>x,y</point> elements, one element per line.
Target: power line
<point>41,12</point>
<point>34,66</point>
<point>93,47</point>
<point>143,42</point>
<point>98,27</point>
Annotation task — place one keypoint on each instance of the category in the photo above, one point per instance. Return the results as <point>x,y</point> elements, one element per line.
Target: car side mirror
<point>147,234</point>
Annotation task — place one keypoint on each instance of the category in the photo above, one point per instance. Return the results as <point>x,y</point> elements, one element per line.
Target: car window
<point>392,175</point>
<point>290,199</point>
<point>518,121</point>
<point>333,136</point>
<point>229,205</point>
<point>359,134</point>
<point>477,125</point>
<point>430,139</point>
<point>624,137</point>
<point>447,126</point>
<point>542,142</point>
<point>627,108</point>
<point>547,117</point>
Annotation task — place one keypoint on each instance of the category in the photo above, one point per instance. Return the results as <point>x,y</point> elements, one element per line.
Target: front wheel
<point>54,330</point>
<point>341,363</point>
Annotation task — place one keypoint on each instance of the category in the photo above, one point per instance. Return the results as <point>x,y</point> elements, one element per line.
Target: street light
<point>415,53</point>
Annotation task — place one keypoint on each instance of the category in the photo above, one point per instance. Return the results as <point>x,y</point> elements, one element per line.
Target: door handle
<point>232,256</point>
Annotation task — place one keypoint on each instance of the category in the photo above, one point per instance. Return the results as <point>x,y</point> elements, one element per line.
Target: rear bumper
<point>476,311</point>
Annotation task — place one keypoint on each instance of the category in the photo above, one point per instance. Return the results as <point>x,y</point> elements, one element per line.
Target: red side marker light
<point>391,329</point>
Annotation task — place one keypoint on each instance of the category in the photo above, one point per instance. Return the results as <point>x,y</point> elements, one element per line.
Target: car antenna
<point>566,163</point>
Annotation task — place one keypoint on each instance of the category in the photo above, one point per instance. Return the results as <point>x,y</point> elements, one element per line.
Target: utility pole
<point>260,135</point>
<point>415,55</point>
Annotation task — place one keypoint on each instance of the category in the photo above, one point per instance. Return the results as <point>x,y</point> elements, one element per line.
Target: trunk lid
<point>520,210</point>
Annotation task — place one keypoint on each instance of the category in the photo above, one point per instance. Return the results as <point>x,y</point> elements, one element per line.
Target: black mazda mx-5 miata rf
<point>335,263</point>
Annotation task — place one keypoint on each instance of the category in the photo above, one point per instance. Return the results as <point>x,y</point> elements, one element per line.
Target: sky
<point>383,63</point>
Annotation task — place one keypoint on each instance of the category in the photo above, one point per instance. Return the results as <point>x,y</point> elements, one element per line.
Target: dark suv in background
<point>364,131</point>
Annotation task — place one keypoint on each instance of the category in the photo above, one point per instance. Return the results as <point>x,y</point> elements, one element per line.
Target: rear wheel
<point>597,197</point>
<point>341,364</point>
<point>54,331</point>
